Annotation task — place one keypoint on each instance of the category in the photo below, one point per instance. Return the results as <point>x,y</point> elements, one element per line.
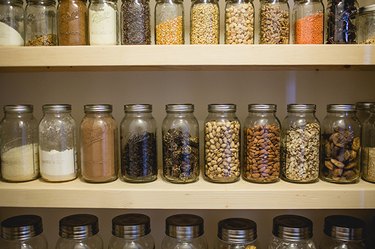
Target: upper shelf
<point>190,57</point>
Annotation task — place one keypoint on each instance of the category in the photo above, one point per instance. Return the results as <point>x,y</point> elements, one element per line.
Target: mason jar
<point>169,22</point>
<point>204,22</point>
<point>236,233</point>
<point>363,111</point>
<point>300,153</point>
<point>19,144</point>
<point>131,231</point>
<point>22,232</point>
<point>98,133</point>
<point>341,143</point>
<point>40,23</point>
<point>262,139</point>
<point>368,148</point>
<point>180,144</point>
<point>222,133</point>
<point>366,25</point>
<point>138,144</point>
<point>79,231</point>
<point>239,22</point>
<point>292,231</point>
<point>11,23</point>
<point>343,231</point>
<point>184,231</point>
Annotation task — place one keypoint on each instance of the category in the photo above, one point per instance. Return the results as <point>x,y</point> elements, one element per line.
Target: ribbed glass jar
<point>11,23</point>
<point>363,111</point>
<point>239,22</point>
<point>366,25</point>
<point>368,148</point>
<point>169,22</point>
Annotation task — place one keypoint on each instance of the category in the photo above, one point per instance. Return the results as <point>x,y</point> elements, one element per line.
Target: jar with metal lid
<point>239,22</point>
<point>368,148</point>
<point>180,144</point>
<point>169,22</point>
<point>204,22</point>
<point>292,231</point>
<point>11,23</point>
<point>236,233</point>
<point>343,231</point>
<point>184,231</point>
<point>19,144</point>
<point>274,22</point>
<point>57,144</point>
<point>40,23</point>
<point>138,144</point>
<point>222,133</point>
<point>131,231</point>
<point>363,111</point>
<point>22,232</point>
<point>300,153</point>
<point>103,22</point>
<point>262,135</point>
<point>341,143</point>
<point>79,231</point>
<point>98,133</point>
<point>366,25</point>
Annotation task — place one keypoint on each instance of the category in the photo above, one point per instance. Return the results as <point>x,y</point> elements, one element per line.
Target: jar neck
<point>239,1</point>
<point>302,114</point>
<point>99,115</point>
<point>138,115</point>
<point>205,1</point>
<point>179,114</point>
<point>27,115</point>
<point>223,114</point>
<point>12,2</point>
<point>342,114</point>
<point>41,2</point>
<point>273,1</point>
<point>262,114</point>
<point>170,1</point>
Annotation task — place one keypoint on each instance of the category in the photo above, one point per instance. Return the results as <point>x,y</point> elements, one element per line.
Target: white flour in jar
<point>9,36</point>
<point>57,165</point>
<point>103,26</point>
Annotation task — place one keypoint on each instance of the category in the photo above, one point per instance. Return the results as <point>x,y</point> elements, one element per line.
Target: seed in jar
<point>239,24</point>
<point>170,32</point>
<point>204,24</point>
<point>274,24</point>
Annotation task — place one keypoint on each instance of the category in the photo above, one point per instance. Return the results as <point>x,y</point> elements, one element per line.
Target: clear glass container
<point>98,135</point>
<point>363,111</point>
<point>222,134</point>
<point>344,232</point>
<point>368,148</point>
<point>103,22</point>
<point>131,231</point>
<point>11,23</point>
<point>57,144</point>
<point>262,135</point>
<point>274,22</point>
<point>366,25</point>
<point>40,23</point>
<point>239,22</point>
<point>180,144</point>
<point>19,144</point>
<point>292,231</point>
<point>135,22</point>
<point>79,231</point>
<point>204,22</point>
<point>341,143</point>
<point>308,21</point>
<point>236,233</point>
<point>138,144</point>
<point>22,232</point>
<point>169,22</point>
<point>300,148</point>
<point>184,231</point>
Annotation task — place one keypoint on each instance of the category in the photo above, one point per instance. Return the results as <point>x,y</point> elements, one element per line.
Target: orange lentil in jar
<point>309,29</point>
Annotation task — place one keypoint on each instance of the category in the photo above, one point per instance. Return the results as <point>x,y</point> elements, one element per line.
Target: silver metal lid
<point>98,108</point>
<point>364,105</point>
<point>184,226</point>
<point>131,226</point>
<point>179,108</point>
<point>18,108</point>
<point>301,108</point>
<point>78,226</point>
<point>21,227</point>
<point>262,108</point>
<point>237,230</point>
<point>368,8</point>
<point>342,227</point>
<point>57,108</point>
<point>341,108</point>
<point>292,227</point>
<point>222,108</point>
<point>138,108</point>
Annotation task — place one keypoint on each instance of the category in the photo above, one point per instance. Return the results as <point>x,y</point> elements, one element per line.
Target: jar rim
<point>179,108</point>
<point>129,108</point>
<point>57,108</point>
<point>131,226</point>
<point>21,227</point>
<point>94,108</point>
<point>262,108</point>
<point>341,108</point>
<point>78,226</point>
<point>222,108</point>
<point>22,108</point>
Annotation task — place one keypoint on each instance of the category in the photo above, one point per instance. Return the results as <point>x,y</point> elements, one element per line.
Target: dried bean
<point>204,24</point>
<point>274,24</point>
<point>239,24</point>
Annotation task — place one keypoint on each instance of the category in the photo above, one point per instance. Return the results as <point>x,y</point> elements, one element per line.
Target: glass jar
<point>236,233</point>
<point>79,231</point>
<point>11,23</point>
<point>204,22</point>
<point>262,134</point>
<point>366,25</point>
<point>131,231</point>
<point>98,144</point>
<point>40,23</point>
<point>169,22</point>
<point>23,232</point>
<point>239,22</point>
<point>138,144</point>
<point>308,20</point>
<point>341,143</point>
<point>57,144</point>
<point>19,144</point>
<point>300,153</point>
<point>135,21</point>
<point>368,148</point>
<point>102,22</point>
<point>222,133</point>
<point>292,231</point>
<point>341,24</point>
<point>343,231</point>
<point>71,22</point>
<point>363,111</point>
<point>184,231</point>
<point>180,144</point>
<point>274,22</point>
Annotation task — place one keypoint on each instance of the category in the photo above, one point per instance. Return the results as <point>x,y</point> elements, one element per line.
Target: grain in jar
<point>239,22</point>
<point>204,22</point>
<point>368,148</point>
<point>169,22</point>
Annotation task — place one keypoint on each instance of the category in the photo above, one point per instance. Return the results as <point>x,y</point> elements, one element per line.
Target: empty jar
<point>11,23</point>
<point>363,111</point>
